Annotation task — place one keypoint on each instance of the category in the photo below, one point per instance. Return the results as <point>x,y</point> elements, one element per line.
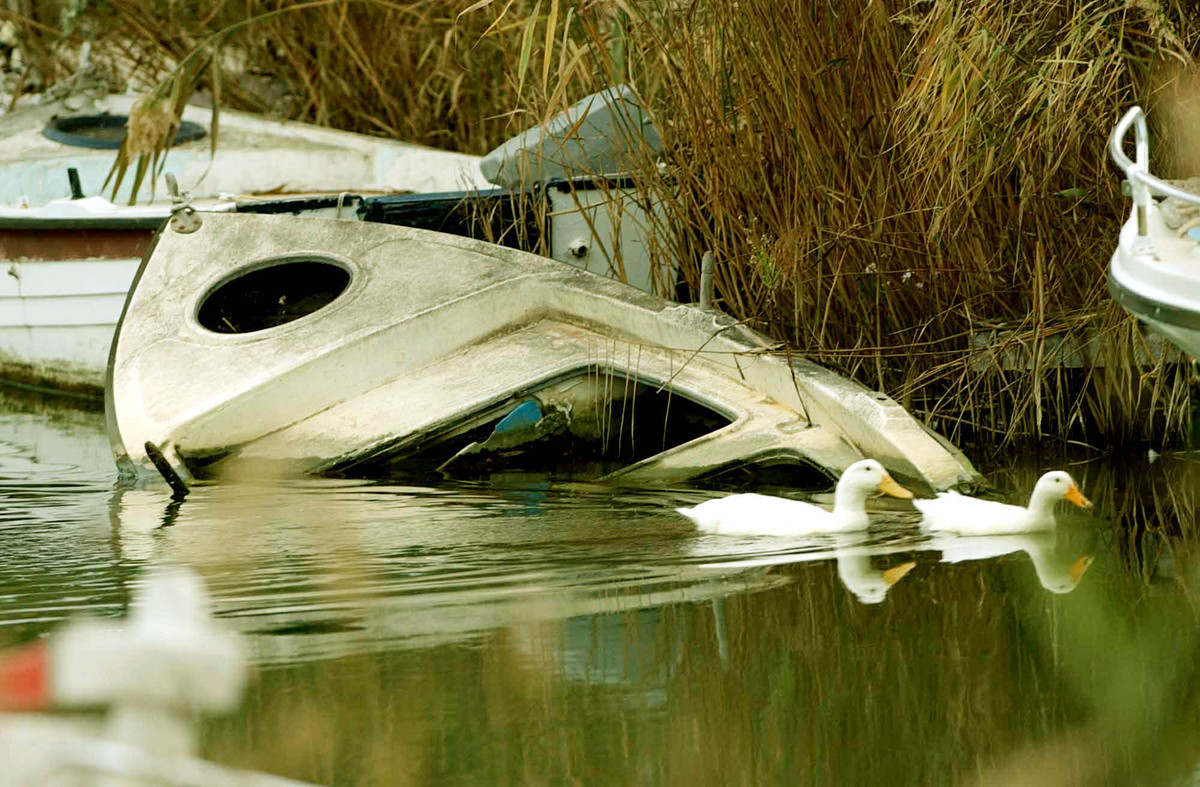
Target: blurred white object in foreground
<point>154,673</point>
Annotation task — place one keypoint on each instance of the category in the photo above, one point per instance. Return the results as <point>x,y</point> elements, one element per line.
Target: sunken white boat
<point>1155,270</point>
<point>312,346</point>
<point>70,254</point>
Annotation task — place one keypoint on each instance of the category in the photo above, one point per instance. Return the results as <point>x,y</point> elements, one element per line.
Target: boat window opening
<point>275,295</point>
<point>579,428</point>
<point>768,473</point>
<point>508,218</point>
<point>107,132</point>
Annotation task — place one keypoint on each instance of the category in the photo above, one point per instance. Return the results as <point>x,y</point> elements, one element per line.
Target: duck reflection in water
<point>855,570</point>
<point>1056,571</point>
<point>868,584</point>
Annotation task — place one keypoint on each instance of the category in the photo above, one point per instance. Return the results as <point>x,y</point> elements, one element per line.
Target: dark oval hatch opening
<point>275,295</point>
<point>106,132</point>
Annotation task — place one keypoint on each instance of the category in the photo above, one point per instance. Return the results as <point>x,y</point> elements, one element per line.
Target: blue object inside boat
<point>525,416</point>
<point>1194,234</point>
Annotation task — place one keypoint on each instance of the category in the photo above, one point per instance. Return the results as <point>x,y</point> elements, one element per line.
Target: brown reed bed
<point>919,196</point>
<point>913,193</point>
<point>415,70</point>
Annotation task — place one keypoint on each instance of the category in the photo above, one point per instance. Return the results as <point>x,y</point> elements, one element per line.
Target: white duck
<point>972,516</point>
<point>753,514</point>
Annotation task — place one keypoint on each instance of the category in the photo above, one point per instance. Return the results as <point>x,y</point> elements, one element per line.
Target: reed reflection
<point>960,673</point>
<point>548,634</point>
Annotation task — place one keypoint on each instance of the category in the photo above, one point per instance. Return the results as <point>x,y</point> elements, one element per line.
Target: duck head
<point>1054,486</point>
<point>864,478</point>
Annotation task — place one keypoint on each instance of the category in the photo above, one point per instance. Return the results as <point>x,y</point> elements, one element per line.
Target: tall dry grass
<point>919,196</point>
<point>417,70</point>
<point>914,193</point>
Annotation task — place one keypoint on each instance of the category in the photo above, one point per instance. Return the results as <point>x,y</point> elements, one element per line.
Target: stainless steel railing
<point>1142,183</point>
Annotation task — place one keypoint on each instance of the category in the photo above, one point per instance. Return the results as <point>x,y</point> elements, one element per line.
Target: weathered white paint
<point>57,318</point>
<point>434,326</point>
<point>606,230</point>
<point>254,155</point>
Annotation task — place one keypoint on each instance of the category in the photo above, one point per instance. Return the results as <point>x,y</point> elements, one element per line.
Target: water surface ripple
<point>527,632</point>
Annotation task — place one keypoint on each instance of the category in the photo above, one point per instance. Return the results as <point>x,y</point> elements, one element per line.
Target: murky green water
<point>524,633</point>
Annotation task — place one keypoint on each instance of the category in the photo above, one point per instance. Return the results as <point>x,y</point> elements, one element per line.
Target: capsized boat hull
<point>403,348</point>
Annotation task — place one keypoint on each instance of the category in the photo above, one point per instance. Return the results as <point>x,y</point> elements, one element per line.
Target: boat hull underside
<point>1156,278</point>
<point>1178,325</point>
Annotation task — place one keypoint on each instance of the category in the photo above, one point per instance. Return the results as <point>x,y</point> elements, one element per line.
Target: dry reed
<point>896,190</point>
<point>914,194</point>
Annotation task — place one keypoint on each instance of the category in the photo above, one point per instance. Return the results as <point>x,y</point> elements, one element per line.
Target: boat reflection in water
<point>412,566</point>
<point>524,631</point>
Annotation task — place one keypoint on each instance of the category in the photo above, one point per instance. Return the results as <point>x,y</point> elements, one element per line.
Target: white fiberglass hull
<point>1155,270</point>
<point>1156,278</point>
<point>57,319</point>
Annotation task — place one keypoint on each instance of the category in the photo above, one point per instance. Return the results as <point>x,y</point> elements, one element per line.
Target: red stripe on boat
<point>74,244</point>
<point>25,678</point>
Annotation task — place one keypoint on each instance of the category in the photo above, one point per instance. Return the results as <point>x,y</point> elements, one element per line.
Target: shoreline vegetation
<point>915,194</point>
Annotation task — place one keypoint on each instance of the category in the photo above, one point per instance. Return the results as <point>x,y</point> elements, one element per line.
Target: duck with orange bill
<point>755,514</point>
<point>953,512</point>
